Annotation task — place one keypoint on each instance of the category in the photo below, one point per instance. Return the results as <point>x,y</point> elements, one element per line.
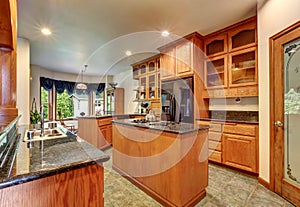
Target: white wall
<point>125,80</point>
<point>273,17</point>
<point>23,68</point>
<point>231,104</point>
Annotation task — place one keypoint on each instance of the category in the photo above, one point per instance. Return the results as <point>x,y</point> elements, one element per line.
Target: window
<point>99,104</point>
<point>45,102</point>
<point>64,105</point>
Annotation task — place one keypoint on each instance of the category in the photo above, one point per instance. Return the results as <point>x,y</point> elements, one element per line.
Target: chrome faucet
<point>42,121</point>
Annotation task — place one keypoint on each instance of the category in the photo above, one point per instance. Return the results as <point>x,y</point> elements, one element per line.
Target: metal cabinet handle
<point>278,123</point>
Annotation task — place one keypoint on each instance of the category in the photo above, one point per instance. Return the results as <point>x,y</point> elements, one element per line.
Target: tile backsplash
<point>251,116</point>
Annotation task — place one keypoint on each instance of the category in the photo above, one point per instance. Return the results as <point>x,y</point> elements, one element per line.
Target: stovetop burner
<point>139,121</point>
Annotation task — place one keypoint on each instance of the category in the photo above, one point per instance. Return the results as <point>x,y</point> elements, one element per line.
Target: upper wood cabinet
<point>216,72</point>
<point>182,57</point>
<point>167,62</point>
<point>243,67</point>
<point>231,58</point>
<point>242,36</point>
<point>147,72</point>
<point>216,45</point>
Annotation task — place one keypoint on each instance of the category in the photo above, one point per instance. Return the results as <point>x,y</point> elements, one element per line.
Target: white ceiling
<point>98,32</point>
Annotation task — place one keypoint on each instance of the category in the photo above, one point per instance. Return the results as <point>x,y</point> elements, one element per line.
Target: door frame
<point>278,145</point>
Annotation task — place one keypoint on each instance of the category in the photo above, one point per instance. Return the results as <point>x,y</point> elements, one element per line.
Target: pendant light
<point>81,85</point>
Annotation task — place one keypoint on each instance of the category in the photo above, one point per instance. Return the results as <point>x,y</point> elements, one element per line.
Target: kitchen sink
<point>34,135</point>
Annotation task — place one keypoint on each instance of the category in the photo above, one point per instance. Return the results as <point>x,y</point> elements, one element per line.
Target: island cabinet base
<point>170,167</point>
<point>81,187</point>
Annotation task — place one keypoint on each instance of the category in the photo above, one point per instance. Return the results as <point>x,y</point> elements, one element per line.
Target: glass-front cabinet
<point>242,68</point>
<point>216,72</point>
<point>147,73</point>
<point>152,83</point>
<point>143,88</point>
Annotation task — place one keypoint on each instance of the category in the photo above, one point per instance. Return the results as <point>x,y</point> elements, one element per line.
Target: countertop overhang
<point>178,128</point>
<point>46,158</point>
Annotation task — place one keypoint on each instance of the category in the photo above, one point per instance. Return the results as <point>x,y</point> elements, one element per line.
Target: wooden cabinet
<point>214,140</point>
<point>233,144</point>
<point>78,187</point>
<point>147,72</point>
<point>232,58</point>
<point>216,72</point>
<point>115,101</point>
<point>97,132</point>
<point>240,148</point>
<point>182,57</point>
<point>106,131</point>
<point>167,60</point>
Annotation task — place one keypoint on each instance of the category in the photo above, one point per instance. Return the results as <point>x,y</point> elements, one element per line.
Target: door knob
<point>278,123</point>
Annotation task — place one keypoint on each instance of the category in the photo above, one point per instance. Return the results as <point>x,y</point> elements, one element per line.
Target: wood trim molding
<point>263,182</point>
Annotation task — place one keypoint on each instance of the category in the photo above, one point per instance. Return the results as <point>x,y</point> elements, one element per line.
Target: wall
<point>23,69</point>
<point>230,104</point>
<point>125,80</point>
<point>36,72</point>
<point>273,17</point>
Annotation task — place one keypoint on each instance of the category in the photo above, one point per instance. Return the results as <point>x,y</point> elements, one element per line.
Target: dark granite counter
<point>46,158</point>
<point>119,116</point>
<point>178,128</point>
<point>226,120</point>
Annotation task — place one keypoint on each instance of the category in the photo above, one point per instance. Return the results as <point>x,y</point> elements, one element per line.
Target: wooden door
<point>285,113</point>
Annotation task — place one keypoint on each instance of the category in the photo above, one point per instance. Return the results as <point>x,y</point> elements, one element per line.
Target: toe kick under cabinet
<point>234,144</point>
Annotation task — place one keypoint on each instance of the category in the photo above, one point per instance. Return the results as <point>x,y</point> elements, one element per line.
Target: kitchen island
<point>57,172</point>
<point>169,161</point>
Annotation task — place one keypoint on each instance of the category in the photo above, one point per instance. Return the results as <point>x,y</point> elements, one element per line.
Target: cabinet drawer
<point>215,156</point>
<point>214,145</point>
<point>215,136</point>
<point>214,126</point>
<point>104,121</point>
<point>244,129</point>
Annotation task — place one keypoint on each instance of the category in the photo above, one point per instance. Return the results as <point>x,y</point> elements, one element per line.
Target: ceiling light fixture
<point>128,53</point>
<point>46,31</point>
<point>165,33</point>
<point>81,85</point>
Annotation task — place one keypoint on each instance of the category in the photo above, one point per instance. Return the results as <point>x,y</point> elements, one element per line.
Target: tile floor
<point>226,188</point>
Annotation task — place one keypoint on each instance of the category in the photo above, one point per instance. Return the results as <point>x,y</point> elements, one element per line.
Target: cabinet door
<point>216,45</point>
<point>240,152</point>
<point>152,66</point>
<point>152,83</point>
<point>107,133</point>
<point>184,59</point>
<point>242,37</point>
<point>135,72</point>
<point>216,72</point>
<point>243,67</point>
<point>167,64</point>
<point>143,69</point>
<point>143,88</point>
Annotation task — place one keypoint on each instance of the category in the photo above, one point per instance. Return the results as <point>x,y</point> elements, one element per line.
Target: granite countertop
<point>110,115</point>
<point>47,158</point>
<point>226,120</point>
<point>178,128</point>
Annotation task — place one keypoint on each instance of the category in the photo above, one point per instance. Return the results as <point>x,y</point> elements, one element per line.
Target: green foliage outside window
<point>64,105</point>
<point>45,103</point>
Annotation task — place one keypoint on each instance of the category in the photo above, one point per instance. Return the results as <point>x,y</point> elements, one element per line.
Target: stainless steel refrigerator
<point>177,100</point>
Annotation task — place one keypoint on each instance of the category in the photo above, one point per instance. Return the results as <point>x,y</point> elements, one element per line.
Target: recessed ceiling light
<point>128,53</point>
<point>46,31</point>
<point>165,33</point>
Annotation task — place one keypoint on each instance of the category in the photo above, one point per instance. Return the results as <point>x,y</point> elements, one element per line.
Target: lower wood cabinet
<point>106,131</point>
<point>240,151</point>
<point>233,144</point>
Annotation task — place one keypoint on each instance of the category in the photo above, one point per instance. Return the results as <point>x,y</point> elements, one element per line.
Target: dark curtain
<point>46,83</point>
<point>60,86</point>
